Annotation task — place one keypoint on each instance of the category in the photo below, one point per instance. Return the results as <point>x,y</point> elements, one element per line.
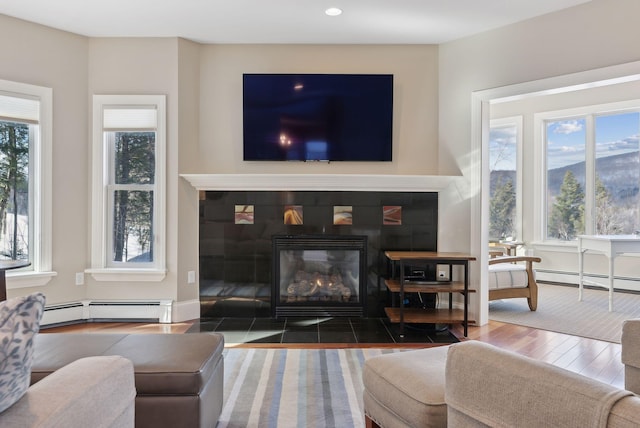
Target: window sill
<point>28,279</point>
<point>557,246</point>
<point>133,275</point>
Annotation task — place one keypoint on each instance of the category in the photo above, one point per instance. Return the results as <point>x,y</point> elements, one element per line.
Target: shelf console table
<point>400,284</point>
<point>609,245</point>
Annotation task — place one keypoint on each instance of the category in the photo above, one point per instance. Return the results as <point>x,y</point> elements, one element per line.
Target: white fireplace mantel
<point>319,182</point>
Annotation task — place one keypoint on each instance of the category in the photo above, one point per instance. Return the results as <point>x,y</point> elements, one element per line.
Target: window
<point>592,171</point>
<point>617,173</point>
<point>128,200</point>
<point>25,180</point>
<point>566,150</point>
<point>505,136</point>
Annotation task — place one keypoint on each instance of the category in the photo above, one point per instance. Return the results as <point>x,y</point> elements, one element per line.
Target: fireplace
<point>318,275</point>
<point>237,266</point>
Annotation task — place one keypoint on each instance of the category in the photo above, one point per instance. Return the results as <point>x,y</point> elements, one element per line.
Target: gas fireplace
<point>318,275</point>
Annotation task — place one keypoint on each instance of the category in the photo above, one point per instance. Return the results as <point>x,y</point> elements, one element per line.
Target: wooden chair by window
<point>513,277</point>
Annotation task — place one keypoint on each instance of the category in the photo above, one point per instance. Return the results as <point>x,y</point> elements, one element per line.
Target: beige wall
<point>432,124</point>
<point>204,107</point>
<point>141,66</point>
<point>40,56</point>
<point>187,209</point>
<point>593,35</point>
<point>415,70</point>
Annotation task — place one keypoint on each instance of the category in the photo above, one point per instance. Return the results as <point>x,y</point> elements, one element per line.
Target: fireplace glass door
<point>319,275</point>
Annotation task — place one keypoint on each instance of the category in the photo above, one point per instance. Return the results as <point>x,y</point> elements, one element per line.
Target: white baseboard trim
<point>186,310</point>
<point>92,310</point>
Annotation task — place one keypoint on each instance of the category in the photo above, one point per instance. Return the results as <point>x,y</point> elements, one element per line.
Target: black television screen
<point>317,117</point>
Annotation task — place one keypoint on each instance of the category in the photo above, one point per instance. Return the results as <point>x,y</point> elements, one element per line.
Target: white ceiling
<point>283,21</point>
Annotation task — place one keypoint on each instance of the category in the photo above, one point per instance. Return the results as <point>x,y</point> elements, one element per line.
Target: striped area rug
<point>559,310</point>
<point>294,387</point>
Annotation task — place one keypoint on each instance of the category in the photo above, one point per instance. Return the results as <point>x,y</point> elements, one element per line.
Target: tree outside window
<point>14,190</point>
<point>567,211</point>
<point>617,173</point>
<point>566,156</point>
<point>503,179</point>
<point>134,175</point>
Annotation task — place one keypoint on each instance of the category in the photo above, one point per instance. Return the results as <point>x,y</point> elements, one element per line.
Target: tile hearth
<point>319,330</point>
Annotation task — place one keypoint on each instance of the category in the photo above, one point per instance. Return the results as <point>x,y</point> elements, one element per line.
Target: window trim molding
<point>100,269</point>
<point>40,272</point>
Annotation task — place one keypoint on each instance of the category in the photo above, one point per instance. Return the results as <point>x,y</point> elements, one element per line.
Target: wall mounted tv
<point>317,117</point>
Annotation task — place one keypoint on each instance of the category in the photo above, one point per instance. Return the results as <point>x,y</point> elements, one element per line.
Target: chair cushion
<point>507,275</point>
<point>19,323</point>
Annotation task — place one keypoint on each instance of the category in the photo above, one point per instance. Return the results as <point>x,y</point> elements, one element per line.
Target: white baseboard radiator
<point>134,311</point>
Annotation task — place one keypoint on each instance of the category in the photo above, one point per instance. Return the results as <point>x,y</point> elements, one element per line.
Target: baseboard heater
<point>62,314</point>
<point>150,311</point>
<point>158,310</point>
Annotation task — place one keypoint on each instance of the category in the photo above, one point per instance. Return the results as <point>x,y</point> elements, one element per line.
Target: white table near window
<point>609,245</point>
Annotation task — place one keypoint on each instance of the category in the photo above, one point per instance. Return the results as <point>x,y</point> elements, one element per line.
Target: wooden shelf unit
<point>426,316</point>
<point>399,314</point>
<point>393,285</point>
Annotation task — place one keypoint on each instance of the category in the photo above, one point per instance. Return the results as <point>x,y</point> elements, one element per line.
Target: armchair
<point>513,277</point>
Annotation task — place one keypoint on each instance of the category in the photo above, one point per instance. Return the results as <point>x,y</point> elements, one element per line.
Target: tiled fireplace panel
<point>236,259</point>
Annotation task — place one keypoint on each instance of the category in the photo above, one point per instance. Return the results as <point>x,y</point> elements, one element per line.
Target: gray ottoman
<point>406,389</point>
<point>178,377</point>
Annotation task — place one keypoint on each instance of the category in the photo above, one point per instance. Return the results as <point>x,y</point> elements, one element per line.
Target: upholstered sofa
<point>474,384</point>
<point>96,392</point>
<point>488,386</point>
<point>631,354</point>
<point>90,392</point>
<point>178,377</point>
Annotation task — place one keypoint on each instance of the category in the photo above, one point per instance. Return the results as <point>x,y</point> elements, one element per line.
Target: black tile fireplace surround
<point>236,263</point>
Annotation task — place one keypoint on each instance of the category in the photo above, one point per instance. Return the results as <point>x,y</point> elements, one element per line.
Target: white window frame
<point>101,269</point>
<point>517,122</point>
<point>540,163</point>
<point>40,174</point>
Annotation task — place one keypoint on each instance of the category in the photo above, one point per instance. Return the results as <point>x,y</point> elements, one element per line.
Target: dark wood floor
<point>593,358</point>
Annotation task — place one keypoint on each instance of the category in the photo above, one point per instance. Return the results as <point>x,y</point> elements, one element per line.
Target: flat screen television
<point>317,117</point>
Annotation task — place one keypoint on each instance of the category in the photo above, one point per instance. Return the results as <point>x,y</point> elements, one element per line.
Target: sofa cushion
<point>406,388</point>
<point>19,323</point>
<point>507,275</point>
<point>95,392</point>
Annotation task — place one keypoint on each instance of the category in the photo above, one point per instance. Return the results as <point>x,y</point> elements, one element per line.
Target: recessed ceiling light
<point>333,11</point>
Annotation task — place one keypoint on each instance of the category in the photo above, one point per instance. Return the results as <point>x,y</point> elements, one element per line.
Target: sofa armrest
<point>496,387</point>
<point>89,392</point>
<point>631,354</point>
